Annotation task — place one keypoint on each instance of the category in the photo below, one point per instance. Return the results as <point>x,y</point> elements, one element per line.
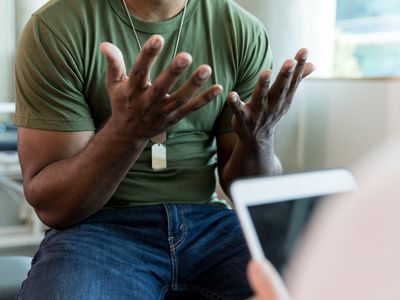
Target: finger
<point>237,106</point>
<point>301,58</point>
<point>259,282</point>
<point>282,83</point>
<point>259,99</point>
<point>116,70</point>
<point>265,281</point>
<point>140,71</point>
<point>166,80</point>
<point>199,101</point>
<point>190,88</point>
<point>308,69</point>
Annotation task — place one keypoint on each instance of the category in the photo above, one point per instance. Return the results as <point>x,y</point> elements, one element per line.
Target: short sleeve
<point>254,61</point>
<point>49,82</point>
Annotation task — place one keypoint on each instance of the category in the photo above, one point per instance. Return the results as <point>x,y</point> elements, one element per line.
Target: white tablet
<point>254,196</point>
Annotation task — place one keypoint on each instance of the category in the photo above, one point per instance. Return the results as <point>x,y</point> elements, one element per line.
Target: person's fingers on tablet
<point>266,282</point>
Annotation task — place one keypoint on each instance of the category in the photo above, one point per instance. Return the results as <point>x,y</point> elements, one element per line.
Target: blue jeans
<point>170,251</point>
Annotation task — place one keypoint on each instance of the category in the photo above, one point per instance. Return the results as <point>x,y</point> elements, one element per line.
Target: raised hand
<point>255,122</point>
<point>144,110</point>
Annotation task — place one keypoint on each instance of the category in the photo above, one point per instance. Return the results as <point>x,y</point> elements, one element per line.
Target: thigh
<point>97,261</point>
<point>217,254</point>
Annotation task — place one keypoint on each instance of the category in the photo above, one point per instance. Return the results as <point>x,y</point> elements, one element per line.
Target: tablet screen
<point>277,237</point>
<point>275,210</point>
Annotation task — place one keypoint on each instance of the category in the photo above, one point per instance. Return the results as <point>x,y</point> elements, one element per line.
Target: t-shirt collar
<point>149,27</point>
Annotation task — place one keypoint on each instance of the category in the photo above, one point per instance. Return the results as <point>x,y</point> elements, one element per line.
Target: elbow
<point>50,216</point>
<point>53,220</point>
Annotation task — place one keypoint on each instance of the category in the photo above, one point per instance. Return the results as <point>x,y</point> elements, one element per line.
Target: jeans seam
<point>171,248</point>
<point>184,229</point>
<point>163,292</point>
<point>174,282</point>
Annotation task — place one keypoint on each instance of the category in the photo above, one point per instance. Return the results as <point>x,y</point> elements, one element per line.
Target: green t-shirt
<point>60,76</point>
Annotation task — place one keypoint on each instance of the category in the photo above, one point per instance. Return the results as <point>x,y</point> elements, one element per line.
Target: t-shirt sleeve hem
<point>57,125</point>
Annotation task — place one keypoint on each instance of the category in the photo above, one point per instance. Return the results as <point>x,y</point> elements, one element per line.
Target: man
<point>124,171</point>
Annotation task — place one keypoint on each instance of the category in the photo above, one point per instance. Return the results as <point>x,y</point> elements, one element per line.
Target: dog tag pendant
<point>158,157</point>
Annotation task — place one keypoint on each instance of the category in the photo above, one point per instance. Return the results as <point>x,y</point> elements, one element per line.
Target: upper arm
<point>37,149</point>
<point>49,82</point>
<point>53,116</point>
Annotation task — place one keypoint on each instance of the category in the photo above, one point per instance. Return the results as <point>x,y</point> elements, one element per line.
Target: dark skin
<point>53,162</point>
<point>254,123</point>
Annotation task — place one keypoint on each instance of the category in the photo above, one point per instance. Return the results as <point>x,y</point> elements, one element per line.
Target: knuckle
<point>146,110</point>
<point>112,69</point>
<point>174,71</point>
<point>301,62</point>
<point>196,82</point>
<point>138,71</point>
<point>179,102</point>
<point>150,51</point>
<point>262,98</point>
<point>158,91</point>
<point>208,97</point>
<point>283,91</point>
<point>288,74</point>
<point>264,83</point>
<point>197,106</point>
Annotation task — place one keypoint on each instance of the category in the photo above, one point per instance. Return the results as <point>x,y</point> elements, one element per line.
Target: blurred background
<point>348,107</point>
<point>352,101</point>
<point>20,230</point>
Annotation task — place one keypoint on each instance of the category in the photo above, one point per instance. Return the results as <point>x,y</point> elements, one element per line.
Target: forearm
<point>74,188</point>
<point>250,160</point>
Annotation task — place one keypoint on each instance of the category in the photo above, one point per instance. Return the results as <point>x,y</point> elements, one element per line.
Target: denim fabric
<point>171,251</point>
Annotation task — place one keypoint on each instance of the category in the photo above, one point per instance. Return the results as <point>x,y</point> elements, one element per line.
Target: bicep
<point>37,149</point>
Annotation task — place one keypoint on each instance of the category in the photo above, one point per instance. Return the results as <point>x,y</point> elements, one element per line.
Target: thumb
<point>237,106</point>
<point>116,70</point>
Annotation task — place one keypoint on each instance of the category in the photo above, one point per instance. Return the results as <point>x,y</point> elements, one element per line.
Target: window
<point>367,40</point>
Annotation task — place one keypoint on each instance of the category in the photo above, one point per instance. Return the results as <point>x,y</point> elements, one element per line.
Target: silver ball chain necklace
<point>158,150</point>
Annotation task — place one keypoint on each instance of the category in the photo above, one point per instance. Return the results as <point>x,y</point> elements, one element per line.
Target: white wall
<point>294,24</point>
<point>7,48</point>
<point>291,25</point>
<point>24,9</point>
<point>331,122</point>
<point>13,16</point>
<point>345,119</point>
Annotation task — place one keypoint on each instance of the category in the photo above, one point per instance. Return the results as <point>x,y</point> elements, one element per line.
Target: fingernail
<point>292,67</point>
<point>204,74</point>
<point>218,91</point>
<point>235,97</point>
<point>182,62</point>
<point>155,42</point>
<point>304,56</point>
